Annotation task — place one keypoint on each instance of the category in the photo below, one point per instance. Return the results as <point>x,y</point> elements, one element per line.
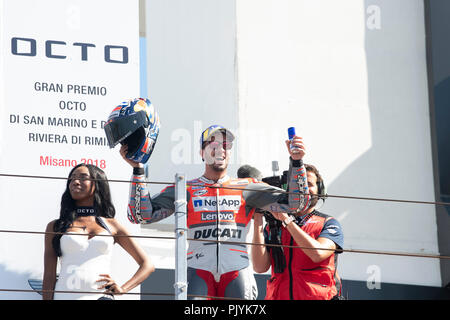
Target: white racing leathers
<point>219,212</point>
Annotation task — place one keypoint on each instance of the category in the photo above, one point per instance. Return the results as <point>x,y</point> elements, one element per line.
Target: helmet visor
<point>117,130</point>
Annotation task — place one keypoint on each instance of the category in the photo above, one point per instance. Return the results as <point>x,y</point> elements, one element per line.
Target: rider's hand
<point>299,152</point>
<point>123,153</point>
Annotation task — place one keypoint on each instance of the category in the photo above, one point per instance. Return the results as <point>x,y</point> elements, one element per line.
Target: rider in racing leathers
<point>219,208</point>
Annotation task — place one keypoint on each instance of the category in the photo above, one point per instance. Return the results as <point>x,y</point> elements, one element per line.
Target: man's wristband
<point>297,163</point>
<point>138,171</point>
<point>288,220</point>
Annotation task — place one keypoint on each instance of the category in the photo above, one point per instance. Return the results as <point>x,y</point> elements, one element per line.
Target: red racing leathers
<point>221,211</point>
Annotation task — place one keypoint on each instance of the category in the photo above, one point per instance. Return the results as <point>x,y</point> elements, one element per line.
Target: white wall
<point>349,75</point>
<point>191,79</point>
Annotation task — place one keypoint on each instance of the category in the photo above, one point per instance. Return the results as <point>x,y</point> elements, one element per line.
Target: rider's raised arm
<point>270,198</point>
<point>142,209</point>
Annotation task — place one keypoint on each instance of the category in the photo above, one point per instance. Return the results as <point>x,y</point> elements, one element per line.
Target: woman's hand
<point>110,285</point>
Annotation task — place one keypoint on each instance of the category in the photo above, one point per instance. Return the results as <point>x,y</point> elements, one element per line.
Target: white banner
<point>64,67</point>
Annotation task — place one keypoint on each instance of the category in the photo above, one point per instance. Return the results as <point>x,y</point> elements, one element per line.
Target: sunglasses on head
<point>227,145</point>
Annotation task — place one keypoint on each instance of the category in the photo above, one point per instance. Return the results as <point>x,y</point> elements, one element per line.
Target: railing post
<point>180,238</point>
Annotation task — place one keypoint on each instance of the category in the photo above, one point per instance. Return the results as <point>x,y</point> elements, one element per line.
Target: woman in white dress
<point>87,213</point>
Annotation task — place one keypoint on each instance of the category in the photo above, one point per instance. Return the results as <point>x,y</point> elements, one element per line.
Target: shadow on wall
<point>442,98</point>
<point>396,91</point>
<point>10,281</point>
<point>391,94</point>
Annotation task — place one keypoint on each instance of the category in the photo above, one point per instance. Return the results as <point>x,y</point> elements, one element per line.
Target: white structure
<point>63,68</point>
<point>351,76</point>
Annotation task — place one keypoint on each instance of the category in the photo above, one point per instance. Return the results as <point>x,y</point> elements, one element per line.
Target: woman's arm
<point>50,263</point>
<point>146,267</point>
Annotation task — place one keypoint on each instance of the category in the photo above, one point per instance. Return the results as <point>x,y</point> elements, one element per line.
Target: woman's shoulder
<point>51,225</point>
<point>115,224</point>
<point>111,221</point>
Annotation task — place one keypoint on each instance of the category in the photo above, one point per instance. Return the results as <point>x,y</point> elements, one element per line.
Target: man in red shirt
<point>306,273</point>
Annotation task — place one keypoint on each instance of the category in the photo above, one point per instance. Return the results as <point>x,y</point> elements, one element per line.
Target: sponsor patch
<point>218,233</point>
<point>200,192</point>
<point>223,216</point>
<point>212,203</point>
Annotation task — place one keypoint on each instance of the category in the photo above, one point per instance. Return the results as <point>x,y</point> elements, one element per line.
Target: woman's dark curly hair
<point>102,203</point>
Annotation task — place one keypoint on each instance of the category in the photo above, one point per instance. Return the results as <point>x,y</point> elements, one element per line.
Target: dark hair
<point>319,183</point>
<point>247,171</point>
<point>313,169</point>
<point>102,203</point>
